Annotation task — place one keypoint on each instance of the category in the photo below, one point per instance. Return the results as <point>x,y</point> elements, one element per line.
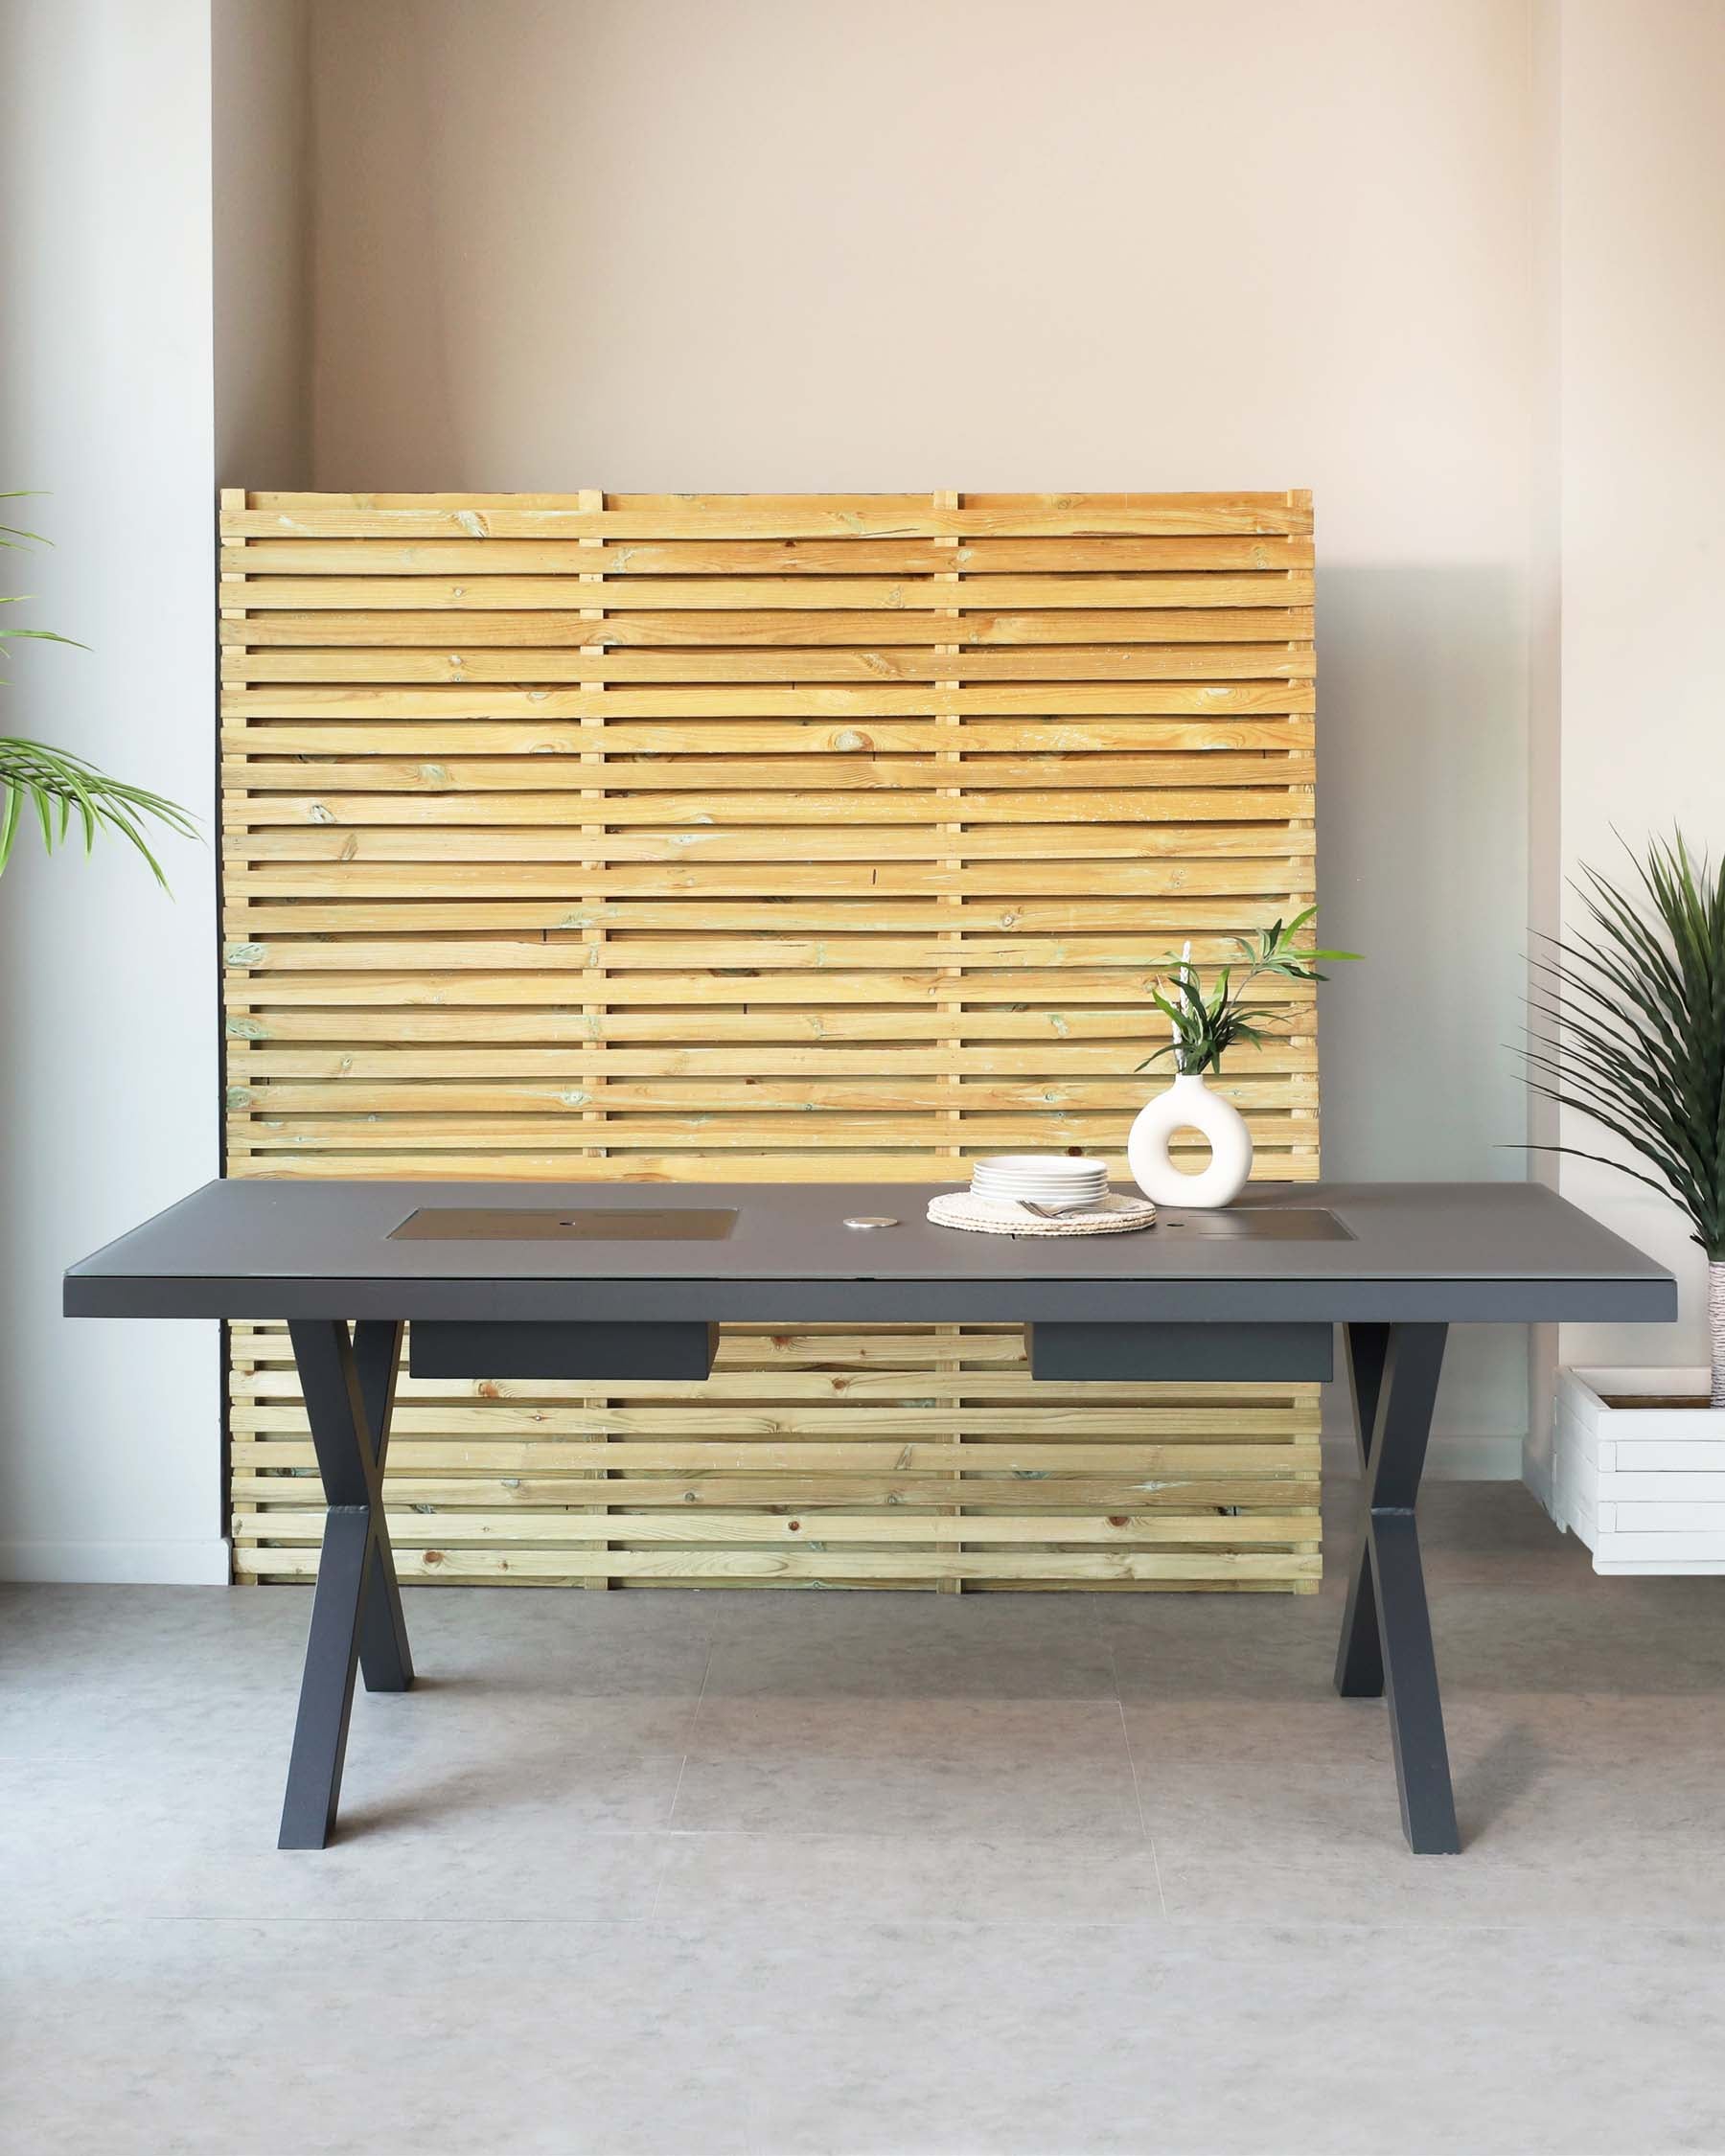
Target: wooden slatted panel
<point>809,838</point>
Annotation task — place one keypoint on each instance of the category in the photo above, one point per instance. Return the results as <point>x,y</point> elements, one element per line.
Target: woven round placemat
<point>1116,1215</point>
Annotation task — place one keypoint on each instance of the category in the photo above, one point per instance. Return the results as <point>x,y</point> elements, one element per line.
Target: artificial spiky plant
<point>1205,1025</point>
<point>1629,1030</point>
<point>59,786</point>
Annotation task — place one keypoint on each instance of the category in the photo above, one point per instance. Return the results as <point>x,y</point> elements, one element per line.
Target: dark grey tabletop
<point>1479,1252</point>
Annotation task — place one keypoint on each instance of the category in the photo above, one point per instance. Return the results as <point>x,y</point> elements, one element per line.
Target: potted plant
<point>54,786</point>
<point>1629,1031</point>
<point>1206,1024</point>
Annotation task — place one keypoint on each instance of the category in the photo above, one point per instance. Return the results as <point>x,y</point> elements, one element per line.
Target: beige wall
<point>1641,467</point>
<point>260,66</point>
<point>665,243</point>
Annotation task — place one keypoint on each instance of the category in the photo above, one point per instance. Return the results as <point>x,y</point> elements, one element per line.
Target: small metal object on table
<point>495,1286</point>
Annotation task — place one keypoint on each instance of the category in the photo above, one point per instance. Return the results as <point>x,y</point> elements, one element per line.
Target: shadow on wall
<point>1422,866</point>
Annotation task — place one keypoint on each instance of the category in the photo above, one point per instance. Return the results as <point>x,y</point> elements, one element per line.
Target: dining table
<point>624,1280</point>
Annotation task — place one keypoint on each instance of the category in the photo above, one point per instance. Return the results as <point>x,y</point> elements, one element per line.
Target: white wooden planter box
<point>1643,1487</point>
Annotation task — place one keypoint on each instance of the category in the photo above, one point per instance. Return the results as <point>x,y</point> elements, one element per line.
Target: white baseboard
<point>1457,1457</point>
<point>128,1564</point>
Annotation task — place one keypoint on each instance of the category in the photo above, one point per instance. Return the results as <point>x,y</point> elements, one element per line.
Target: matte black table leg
<point>327,1687</point>
<point>1359,1659</point>
<point>1422,1770</point>
<point>349,1389</point>
<point>1387,1632</point>
<point>384,1656</point>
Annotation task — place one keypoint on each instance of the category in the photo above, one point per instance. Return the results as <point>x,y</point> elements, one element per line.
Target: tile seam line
<point>669,1826</point>
<point>1136,1787</point>
<point>1541,1928</point>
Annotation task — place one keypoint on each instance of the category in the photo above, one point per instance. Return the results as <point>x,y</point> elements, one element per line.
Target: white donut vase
<point>1189,1104</point>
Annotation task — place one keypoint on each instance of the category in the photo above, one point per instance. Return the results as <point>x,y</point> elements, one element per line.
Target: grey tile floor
<point>881,1875</point>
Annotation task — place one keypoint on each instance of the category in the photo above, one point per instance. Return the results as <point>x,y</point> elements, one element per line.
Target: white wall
<point>1000,243</point>
<point>1641,467</point>
<point>154,258</point>
<point>109,1434</point>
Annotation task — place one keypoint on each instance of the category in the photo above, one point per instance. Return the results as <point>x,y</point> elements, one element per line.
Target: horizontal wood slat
<point>372,630</point>
<point>734,558</point>
<point>267,662</point>
<point>732,517</point>
<point>771,838</point>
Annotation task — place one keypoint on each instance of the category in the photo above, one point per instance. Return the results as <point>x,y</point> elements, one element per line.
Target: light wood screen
<point>654,836</point>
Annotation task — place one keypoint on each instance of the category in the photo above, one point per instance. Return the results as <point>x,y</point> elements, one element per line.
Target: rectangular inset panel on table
<point>578,1224</point>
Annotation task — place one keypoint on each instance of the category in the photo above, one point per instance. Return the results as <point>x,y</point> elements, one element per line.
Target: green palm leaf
<point>56,785</point>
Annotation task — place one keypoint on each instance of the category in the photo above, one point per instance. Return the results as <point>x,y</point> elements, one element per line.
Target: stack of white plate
<point>1041,1178</point>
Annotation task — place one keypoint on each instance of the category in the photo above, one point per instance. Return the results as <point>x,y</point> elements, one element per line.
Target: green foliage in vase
<point>1207,1023</point>
<point>57,787</point>
<point>1629,1027</point>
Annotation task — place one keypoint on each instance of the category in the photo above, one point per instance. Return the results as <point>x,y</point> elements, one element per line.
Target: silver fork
<point>1057,1213</point>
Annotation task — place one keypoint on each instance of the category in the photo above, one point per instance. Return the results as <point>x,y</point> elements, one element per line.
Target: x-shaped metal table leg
<point>1387,1632</point>
<point>356,1622</point>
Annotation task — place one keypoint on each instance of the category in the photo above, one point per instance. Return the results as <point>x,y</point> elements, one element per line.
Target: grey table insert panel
<point>1256,1224</point>
<point>578,1224</point>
